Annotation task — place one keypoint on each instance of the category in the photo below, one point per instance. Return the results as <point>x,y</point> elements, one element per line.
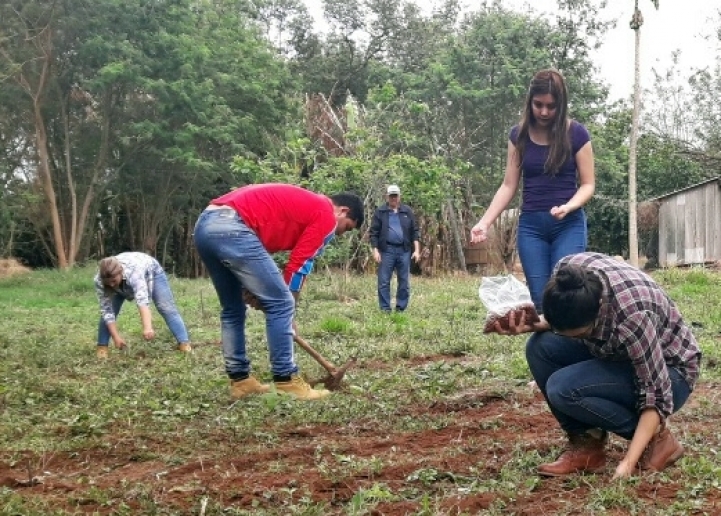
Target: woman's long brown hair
<point>548,81</point>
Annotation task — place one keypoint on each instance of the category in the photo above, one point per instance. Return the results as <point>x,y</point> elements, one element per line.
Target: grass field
<point>435,418</point>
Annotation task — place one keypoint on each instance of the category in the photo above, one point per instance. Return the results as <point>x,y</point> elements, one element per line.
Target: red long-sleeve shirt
<point>286,218</point>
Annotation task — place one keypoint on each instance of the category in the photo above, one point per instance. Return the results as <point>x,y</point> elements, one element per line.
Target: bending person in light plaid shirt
<point>137,276</point>
<point>618,358</point>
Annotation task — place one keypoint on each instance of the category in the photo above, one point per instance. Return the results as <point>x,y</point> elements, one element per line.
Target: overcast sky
<point>678,25</point>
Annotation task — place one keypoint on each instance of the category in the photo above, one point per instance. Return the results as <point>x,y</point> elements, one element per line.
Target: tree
<point>123,98</point>
<point>50,53</point>
<point>636,23</point>
<point>31,69</point>
<point>201,100</point>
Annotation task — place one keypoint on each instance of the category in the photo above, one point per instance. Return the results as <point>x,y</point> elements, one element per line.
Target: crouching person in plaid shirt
<point>611,354</point>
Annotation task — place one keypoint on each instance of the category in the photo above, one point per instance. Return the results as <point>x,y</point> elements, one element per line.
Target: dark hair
<point>572,298</point>
<point>548,81</point>
<point>354,205</point>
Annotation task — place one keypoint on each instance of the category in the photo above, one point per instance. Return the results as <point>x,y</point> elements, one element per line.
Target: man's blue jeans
<point>394,258</point>
<point>163,299</point>
<point>543,241</point>
<point>236,260</point>
<point>585,392</point>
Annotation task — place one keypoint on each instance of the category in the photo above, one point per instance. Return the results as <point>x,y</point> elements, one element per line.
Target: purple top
<point>542,191</point>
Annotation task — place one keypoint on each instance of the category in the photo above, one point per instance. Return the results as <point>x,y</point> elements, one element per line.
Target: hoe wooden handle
<point>317,356</point>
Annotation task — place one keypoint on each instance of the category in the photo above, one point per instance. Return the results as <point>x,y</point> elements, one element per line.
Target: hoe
<point>333,380</point>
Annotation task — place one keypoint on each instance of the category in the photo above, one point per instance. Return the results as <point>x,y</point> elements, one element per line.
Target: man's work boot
<point>246,387</point>
<point>101,352</point>
<point>185,347</point>
<point>584,454</point>
<point>300,389</point>
<point>661,452</point>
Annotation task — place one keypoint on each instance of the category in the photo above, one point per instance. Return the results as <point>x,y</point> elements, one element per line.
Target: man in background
<point>395,240</point>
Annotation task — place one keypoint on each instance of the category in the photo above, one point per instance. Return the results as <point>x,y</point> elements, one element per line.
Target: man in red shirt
<point>235,237</point>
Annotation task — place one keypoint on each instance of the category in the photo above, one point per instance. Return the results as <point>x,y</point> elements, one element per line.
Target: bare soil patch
<point>486,431</point>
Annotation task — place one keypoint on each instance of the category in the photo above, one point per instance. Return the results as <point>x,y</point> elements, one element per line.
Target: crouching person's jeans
<point>236,260</point>
<point>585,392</point>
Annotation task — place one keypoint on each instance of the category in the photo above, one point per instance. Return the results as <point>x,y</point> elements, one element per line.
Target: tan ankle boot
<point>185,347</point>
<point>241,388</point>
<point>101,352</point>
<point>300,389</point>
<point>662,451</point>
<point>584,454</point>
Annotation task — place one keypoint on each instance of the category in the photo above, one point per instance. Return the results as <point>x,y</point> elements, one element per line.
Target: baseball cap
<point>393,190</point>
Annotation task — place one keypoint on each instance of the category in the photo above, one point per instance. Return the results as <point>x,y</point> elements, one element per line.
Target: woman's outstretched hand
<point>479,233</point>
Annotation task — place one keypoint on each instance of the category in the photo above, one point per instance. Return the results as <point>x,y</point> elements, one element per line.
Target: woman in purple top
<point>554,156</point>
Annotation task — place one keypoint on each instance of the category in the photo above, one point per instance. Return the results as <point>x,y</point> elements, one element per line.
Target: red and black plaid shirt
<point>640,323</point>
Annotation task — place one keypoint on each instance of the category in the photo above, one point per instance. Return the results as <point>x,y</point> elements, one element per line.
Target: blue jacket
<point>379,227</point>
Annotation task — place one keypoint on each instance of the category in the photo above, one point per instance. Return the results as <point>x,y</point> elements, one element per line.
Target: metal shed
<point>689,225</point>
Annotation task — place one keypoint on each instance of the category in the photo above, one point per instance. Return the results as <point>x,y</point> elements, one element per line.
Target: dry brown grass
<point>11,267</point>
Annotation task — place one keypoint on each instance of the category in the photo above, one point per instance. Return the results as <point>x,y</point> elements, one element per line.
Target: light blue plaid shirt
<point>139,271</point>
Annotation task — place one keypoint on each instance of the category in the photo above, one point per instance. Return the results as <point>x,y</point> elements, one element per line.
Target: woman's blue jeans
<point>542,241</point>
<point>236,260</point>
<point>394,258</point>
<point>585,392</point>
<point>163,300</point>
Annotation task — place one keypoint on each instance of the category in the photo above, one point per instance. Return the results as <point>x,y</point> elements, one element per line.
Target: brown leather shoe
<point>661,452</point>
<point>585,454</point>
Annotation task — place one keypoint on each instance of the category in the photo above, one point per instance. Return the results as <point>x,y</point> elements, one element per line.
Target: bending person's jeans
<point>585,392</point>
<point>542,241</point>
<point>236,260</point>
<point>163,300</point>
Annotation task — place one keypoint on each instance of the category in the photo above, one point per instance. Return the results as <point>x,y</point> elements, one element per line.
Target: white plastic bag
<point>502,294</point>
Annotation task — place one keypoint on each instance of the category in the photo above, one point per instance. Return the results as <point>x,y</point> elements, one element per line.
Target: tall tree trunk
<point>41,140</point>
<point>43,42</point>
<point>79,216</point>
<point>72,249</point>
<point>100,164</point>
<point>636,23</point>
<point>41,143</point>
